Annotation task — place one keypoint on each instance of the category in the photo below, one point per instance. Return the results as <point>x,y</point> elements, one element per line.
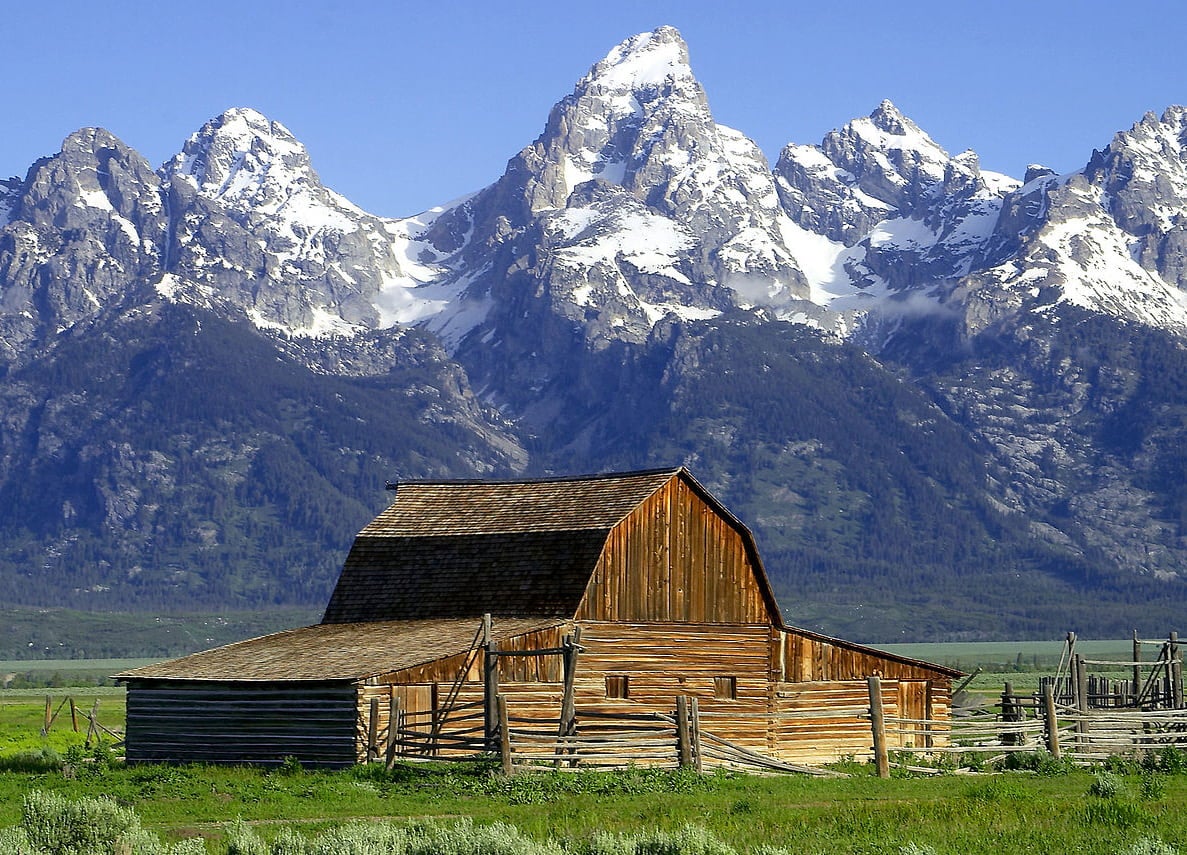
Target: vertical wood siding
<point>240,722</point>
<point>807,659</point>
<point>675,559</point>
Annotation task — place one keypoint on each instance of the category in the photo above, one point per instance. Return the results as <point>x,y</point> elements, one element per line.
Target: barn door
<point>418,703</point>
<point>914,704</point>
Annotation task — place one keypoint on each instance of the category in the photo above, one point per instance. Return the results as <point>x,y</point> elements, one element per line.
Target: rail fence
<point>1026,725</point>
<point>592,740</point>
<point>95,730</point>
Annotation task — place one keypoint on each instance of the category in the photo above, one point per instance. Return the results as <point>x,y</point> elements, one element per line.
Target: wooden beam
<point>504,735</point>
<point>878,726</point>
<point>1051,720</point>
<point>683,736</point>
<point>568,720</point>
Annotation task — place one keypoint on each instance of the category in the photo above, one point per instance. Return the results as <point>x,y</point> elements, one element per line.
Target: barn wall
<point>665,660</point>
<point>809,721</point>
<point>674,558</point>
<point>240,722</point>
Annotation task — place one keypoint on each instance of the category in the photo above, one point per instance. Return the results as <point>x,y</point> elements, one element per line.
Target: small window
<point>725,687</point>
<point>618,686</point>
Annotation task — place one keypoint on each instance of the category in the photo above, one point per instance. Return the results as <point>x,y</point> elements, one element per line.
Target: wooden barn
<point>572,602</point>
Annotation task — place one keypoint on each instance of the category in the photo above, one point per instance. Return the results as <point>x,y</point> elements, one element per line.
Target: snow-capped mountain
<point>633,205</point>
<point>1109,239</point>
<point>193,354</point>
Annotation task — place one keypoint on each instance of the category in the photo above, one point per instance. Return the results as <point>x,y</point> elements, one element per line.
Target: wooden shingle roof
<point>449,508</point>
<point>345,651</point>
<point>464,548</point>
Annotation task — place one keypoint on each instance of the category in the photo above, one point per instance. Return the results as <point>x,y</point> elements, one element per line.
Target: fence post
<point>568,722</point>
<point>1137,670</point>
<point>1051,720</point>
<point>504,734</point>
<point>694,715</point>
<point>490,689</point>
<point>1011,712</point>
<point>1082,694</point>
<point>1174,675</point>
<point>878,727</point>
<point>683,742</point>
<point>93,729</point>
<point>393,728</point>
<point>373,731</point>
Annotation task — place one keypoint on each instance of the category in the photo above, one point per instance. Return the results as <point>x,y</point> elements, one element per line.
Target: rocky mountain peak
<point>84,228</point>
<point>94,178</point>
<point>890,119</point>
<point>632,204</point>
<point>245,160</point>
<point>876,168</point>
<point>645,62</point>
<point>1143,178</point>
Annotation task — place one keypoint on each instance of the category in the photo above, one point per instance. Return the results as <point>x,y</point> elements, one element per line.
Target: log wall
<point>665,660</point>
<point>240,722</point>
<point>774,709</point>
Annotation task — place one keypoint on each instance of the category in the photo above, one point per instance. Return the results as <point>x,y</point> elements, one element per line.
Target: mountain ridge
<point>919,382</point>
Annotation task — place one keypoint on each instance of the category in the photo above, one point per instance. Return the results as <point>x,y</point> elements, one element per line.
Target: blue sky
<point>404,105</point>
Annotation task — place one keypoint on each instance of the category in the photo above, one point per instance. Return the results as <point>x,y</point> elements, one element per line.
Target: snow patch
<point>646,60</point>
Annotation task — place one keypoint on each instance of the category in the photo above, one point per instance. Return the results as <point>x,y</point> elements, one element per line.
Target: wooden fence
<point>1139,683</point>
<point>601,740</point>
<point>94,728</point>
<point>1085,735</point>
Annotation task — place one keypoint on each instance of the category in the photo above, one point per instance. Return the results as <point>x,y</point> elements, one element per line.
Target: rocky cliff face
<point>906,372</point>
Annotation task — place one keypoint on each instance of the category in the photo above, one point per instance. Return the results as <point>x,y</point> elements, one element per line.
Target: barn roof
<point>450,508</point>
<point>344,651</point>
<point>463,548</point>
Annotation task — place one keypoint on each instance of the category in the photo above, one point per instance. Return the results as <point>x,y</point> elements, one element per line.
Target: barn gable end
<point>679,556</point>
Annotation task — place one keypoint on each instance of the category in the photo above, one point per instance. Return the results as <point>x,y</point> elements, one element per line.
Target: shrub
<point>36,762</point>
<point>995,789</point>
<point>54,825</point>
<point>1040,762</point>
<point>1115,812</point>
<point>1151,846</point>
<point>1153,786</point>
<point>690,840</point>
<point>1105,785</point>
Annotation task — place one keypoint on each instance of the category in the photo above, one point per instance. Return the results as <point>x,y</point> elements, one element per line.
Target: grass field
<point>1014,812</point>
<point>1129,808</point>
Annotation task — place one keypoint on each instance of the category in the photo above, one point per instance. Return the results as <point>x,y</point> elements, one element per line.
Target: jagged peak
<point>889,129</point>
<point>642,62</point>
<point>236,140</point>
<point>92,139</point>
<point>1171,126</point>
<point>890,119</point>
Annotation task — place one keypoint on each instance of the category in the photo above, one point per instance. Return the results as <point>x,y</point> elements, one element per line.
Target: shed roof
<point>328,652</point>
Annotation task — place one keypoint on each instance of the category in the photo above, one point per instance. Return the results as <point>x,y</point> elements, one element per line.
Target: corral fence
<point>1088,711</point>
<point>595,740</point>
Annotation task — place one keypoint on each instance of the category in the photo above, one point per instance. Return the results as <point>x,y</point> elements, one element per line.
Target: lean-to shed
<point>661,585</point>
